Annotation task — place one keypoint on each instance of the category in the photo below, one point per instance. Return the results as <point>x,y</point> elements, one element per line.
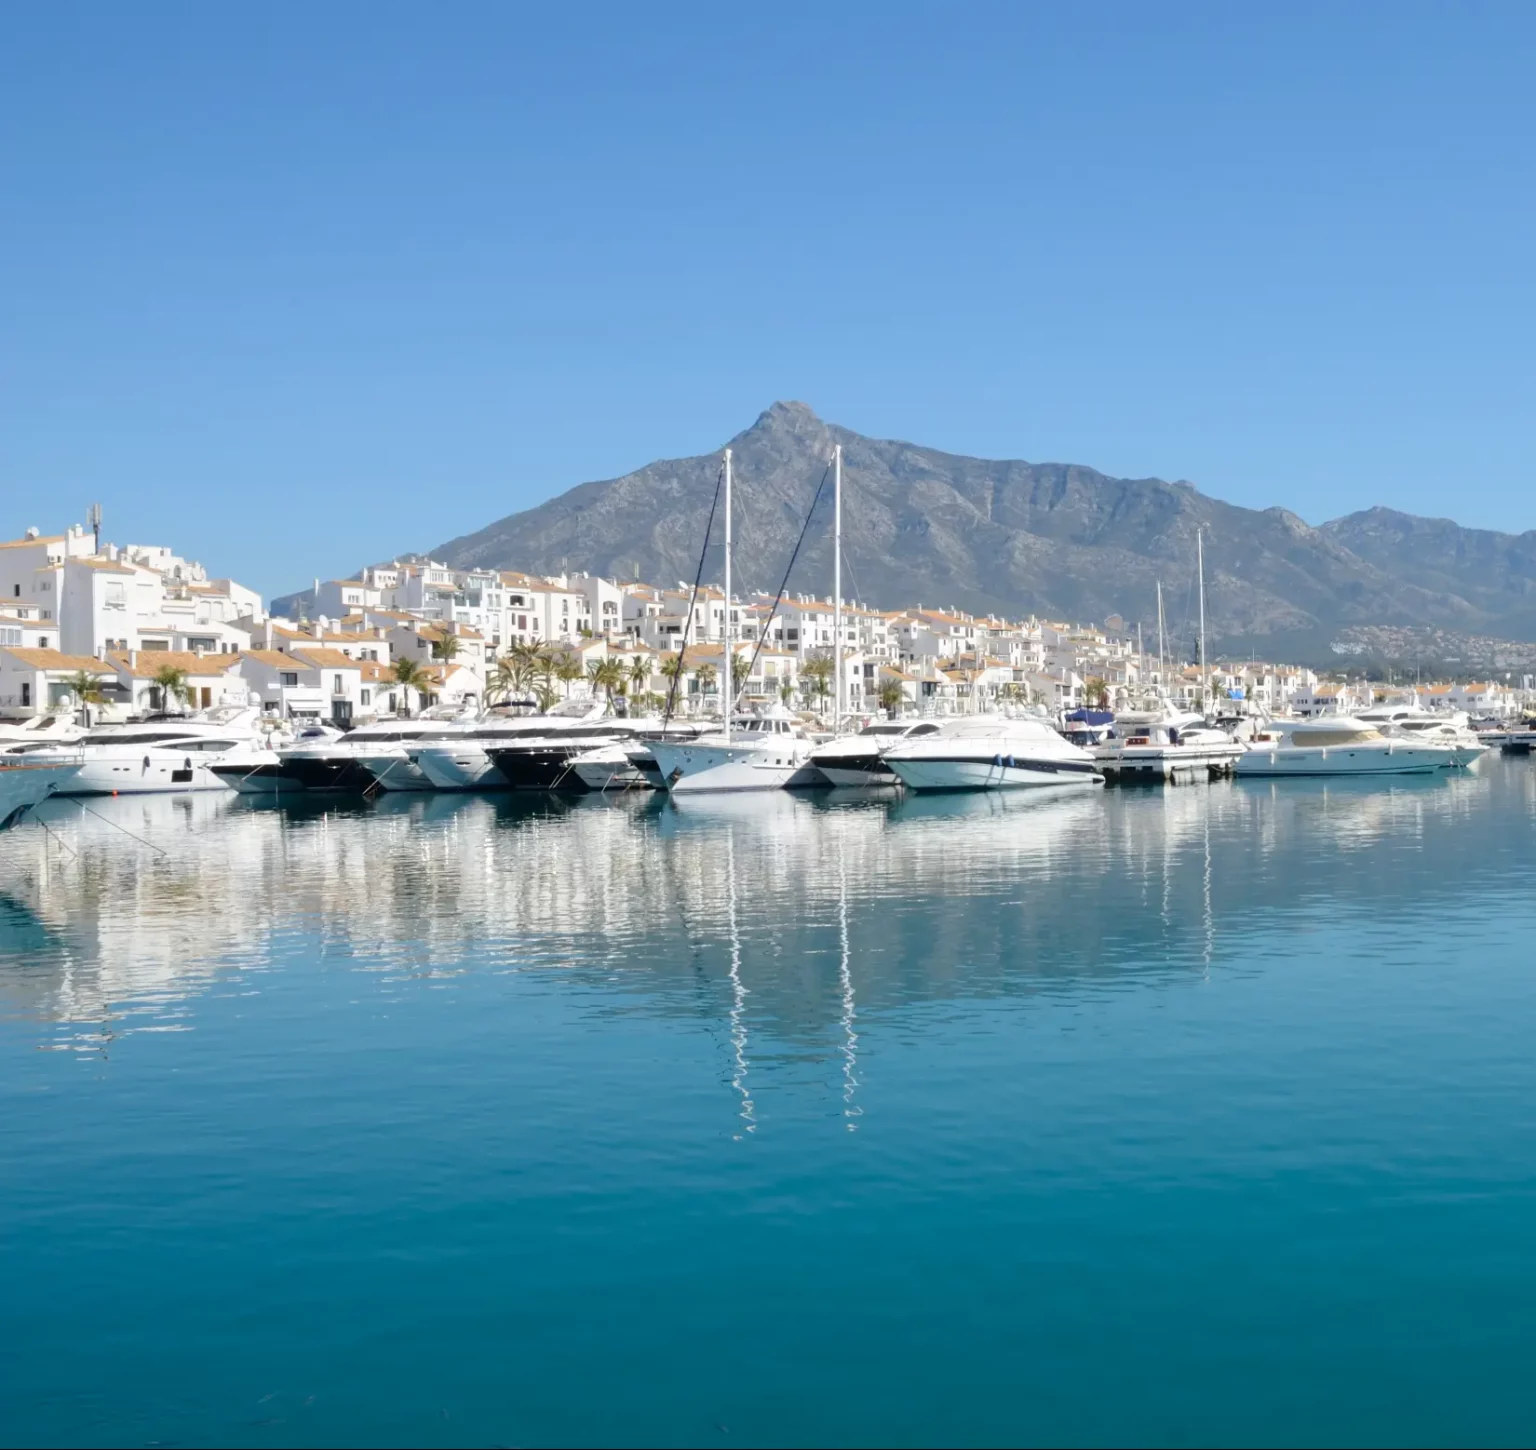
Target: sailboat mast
<point>837,587</point>
<point>727,662</point>
<point>1162,668</point>
<point>1204,664</point>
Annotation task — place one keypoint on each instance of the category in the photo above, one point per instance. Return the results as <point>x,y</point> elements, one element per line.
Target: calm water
<point>1175,1117</point>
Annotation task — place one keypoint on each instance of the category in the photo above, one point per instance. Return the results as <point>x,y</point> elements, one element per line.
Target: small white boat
<point>762,752</point>
<point>989,752</point>
<point>1338,745</point>
<point>31,778</point>
<point>1162,745</point>
<point>858,760</point>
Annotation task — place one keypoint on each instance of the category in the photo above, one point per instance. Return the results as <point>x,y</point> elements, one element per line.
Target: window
<point>289,679</point>
<point>365,697</point>
<point>336,685</point>
<point>43,642</point>
<point>47,614</point>
<point>10,638</point>
<point>26,693</point>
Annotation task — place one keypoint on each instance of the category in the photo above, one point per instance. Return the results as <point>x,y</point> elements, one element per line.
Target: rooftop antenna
<point>93,518</point>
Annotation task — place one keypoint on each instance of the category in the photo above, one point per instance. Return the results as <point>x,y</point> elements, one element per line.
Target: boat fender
<point>1010,763</point>
<point>997,760</point>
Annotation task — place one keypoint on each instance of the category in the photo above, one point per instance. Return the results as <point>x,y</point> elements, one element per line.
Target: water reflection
<point>809,913</point>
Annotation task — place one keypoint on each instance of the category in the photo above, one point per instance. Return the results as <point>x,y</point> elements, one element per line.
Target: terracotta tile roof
<point>151,662</point>
<point>51,659</point>
<point>276,659</point>
<point>325,659</point>
<point>27,543</point>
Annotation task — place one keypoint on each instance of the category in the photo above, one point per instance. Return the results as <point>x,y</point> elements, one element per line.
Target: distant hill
<point>1054,539</point>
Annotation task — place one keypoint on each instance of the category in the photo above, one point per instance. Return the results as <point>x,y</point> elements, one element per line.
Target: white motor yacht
<point>1450,728</point>
<point>163,753</point>
<point>364,758</point>
<point>631,764</point>
<point>858,760</point>
<point>1338,745</point>
<point>761,752</point>
<point>463,761</point>
<point>990,752</point>
<point>1160,745</point>
<point>29,779</point>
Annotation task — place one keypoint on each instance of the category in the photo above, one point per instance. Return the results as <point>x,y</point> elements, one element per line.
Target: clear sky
<point>295,287</point>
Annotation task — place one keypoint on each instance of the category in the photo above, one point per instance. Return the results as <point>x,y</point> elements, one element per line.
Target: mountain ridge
<point>1059,540</point>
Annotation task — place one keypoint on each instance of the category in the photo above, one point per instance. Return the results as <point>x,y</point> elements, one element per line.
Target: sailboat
<point>749,752</point>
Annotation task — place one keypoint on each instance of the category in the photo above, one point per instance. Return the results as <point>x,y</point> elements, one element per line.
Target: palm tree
<point>446,648</point>
<point>816,675</point>
<point>171,683</point>
<point>890,697</point>
<point>568,670</point>
<point>410,675</point>
<point>739,668</point>
<point>706,675</point>
<point>1095,692</point>
<point>787,691</point>
<point>607,675</point>
<point>546,697</point>
<point>639,671</point>
<point>86,689</point>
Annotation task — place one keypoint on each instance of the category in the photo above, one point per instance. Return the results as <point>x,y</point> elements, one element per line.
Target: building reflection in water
<point>807,918</point>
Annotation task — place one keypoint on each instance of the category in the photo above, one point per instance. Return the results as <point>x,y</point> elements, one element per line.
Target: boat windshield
<point>1335,737</point>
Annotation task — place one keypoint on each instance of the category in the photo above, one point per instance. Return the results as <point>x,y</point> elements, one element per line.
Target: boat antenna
<point>1205,666</point>
<point>682,649</point>
<point>837,586</point>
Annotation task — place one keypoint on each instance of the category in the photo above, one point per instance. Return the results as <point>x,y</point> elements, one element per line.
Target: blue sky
<point>297,287</point>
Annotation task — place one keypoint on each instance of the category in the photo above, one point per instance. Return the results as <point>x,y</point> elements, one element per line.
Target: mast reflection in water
<point>1002,1117</point>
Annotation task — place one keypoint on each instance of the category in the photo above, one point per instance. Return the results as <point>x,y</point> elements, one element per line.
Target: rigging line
<point>762,637</point>
<point>682,648</point>
<point>123,829</point>
<point>848,565</point>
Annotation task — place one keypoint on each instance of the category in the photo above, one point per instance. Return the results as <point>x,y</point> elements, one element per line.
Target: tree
<point>741,666</point>
<point>787,691</point>
<point>639,671</point>
<point>816,676</point>
<point>606,675</point>
<point>706,675</point>
<point>546,696</point>
<point>86,689</point>
<point>446,648</point>
<point>172,685</point>
<point>567,669</point>
<point>512,676</point>
<point>890,696</point>
<point>410,675</point>
<point>1095,693</point>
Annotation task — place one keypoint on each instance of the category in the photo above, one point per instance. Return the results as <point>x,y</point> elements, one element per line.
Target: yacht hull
<point>146,770</point>
<point>458,767</point>
<point>24,786</point>
<point>396,771</point>
<point>686,769</point>
<point>343,774</point>
<point>855,771</point>
<point>991,773</point>
<point>1343,760</point>
<point>541,768</point>
<point>266,779</point>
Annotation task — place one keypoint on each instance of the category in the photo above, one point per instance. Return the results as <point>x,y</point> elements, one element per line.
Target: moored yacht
<point>463,761</point>
<point>1450,729</point>
<point>356,760</point>
<point>1338,745</point>
<point>1160,745</point>
<point>858,760</point>
<point>631,764</point>
<point>56,729</point>
<point>990,752</point>
<point>163,753</point>
<point>759,752</point>
<point>546,761</point>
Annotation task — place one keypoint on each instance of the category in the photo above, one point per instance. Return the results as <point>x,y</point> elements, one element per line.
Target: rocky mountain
<point>1055,539</point>
<point>1059,540</point>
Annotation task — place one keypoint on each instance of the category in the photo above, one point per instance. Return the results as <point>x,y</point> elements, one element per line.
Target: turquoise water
<point>1163,1117</point>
